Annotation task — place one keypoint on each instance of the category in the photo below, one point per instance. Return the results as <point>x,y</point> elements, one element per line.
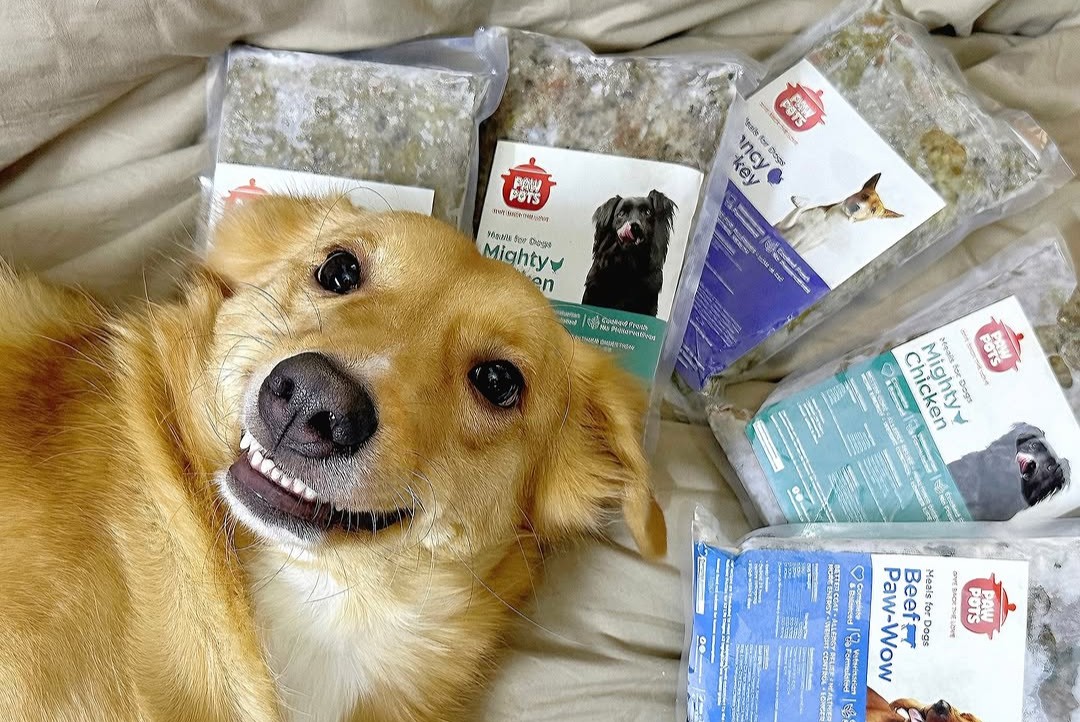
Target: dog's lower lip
<point>277,497</point>
<point>261,477</point>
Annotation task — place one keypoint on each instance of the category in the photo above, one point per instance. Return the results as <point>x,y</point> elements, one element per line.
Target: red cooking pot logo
<point>527,186</point>
<point>998,345</point>
<point>985,606</point>
<point>243,193</point>
<point>801,108</point>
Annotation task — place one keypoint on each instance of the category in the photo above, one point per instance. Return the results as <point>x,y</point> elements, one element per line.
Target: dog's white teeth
<point>266,466</point>
<point>248,443</point>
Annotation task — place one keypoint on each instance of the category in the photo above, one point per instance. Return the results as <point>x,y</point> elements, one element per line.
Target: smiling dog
<point>316,488</point>
<point>630,246</point>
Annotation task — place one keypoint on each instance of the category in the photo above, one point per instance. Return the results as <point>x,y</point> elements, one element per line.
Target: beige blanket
<point>101,115</point>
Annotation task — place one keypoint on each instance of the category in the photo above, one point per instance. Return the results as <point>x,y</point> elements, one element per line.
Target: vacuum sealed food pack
<point>593,170</point>
<point>394,128</point>
<point>953,622</point>
<point>966,410</point>
<point>864,156</point>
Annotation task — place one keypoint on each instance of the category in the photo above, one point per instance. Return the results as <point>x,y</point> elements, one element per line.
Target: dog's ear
<point>598,463</point>
<point>872,183</point>
<point>891,214</point>
<point>663,207</point>
<point>253,238</point>
<point>604,216</point>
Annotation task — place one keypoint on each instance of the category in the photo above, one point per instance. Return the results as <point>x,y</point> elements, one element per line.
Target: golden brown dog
<point>315,489</point>
<point>878,709</point>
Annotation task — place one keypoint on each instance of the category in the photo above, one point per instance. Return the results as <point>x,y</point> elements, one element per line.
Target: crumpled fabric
<point>101,128</point>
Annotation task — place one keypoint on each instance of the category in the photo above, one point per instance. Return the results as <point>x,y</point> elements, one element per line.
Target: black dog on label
<point>1015,472</point>
<point>629,249</point>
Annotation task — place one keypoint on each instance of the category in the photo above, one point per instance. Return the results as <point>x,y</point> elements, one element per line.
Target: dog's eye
<point>499,382</point>
<point>647,212</point>
<point>339,273</point>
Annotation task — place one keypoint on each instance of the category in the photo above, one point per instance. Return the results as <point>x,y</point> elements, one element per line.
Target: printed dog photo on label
<point>807,227</point>
<point>630,246</point>
<point>1015,472</point>
<point>878,709</point>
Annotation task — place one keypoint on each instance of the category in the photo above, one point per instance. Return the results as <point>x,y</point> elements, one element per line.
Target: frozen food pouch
<point>855,623</point>
<point>964,422</point>
<point>865,150</point>
<point>591,179</point>
<point>966,411</point>
<point>393,128</point>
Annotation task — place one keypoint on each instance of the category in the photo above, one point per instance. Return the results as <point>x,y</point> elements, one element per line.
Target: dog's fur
<point>807,227</point>
<point>1042,473</point>
<point>878,709</point>
<point>630,246</point>
<point>993,481</point>
<point>135,587</point>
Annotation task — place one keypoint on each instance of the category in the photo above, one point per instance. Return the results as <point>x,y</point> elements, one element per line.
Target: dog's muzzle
<point>312,418</point>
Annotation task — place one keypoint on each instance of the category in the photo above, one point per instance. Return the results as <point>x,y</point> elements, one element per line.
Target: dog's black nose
<point>312,407</point>
<point>636,229</point>
<point>941,707</point>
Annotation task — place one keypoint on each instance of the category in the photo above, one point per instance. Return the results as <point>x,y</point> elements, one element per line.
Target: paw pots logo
<point>998,346</point>
<point>801,108</point>
<point>985,606</point>
<point>243,193</point>
<point>527,187</point>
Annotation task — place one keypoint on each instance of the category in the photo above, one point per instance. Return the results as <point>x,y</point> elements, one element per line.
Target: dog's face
<point>1040,469</point>
<point>867,204</point>
<point>940,711</point>
<point>377,382</point>
<point>634,221</point>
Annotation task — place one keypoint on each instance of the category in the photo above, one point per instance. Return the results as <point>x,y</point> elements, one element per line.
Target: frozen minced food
<point>393,128</point>
<point>926,621</point>
<point>865,155</point>
<point>965,411</point>
<point>592,173</point>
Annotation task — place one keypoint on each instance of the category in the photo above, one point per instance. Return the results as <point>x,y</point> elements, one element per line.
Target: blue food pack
<point>821,635</point>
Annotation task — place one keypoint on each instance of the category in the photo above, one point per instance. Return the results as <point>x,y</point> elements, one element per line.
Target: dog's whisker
<point>265,581</point>
<point>82,355</point>
<point>277,307</point>
<point>532,622</point>
<point>539,549</point>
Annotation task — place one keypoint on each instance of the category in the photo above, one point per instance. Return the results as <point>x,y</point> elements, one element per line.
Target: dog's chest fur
<point>331,646</point>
